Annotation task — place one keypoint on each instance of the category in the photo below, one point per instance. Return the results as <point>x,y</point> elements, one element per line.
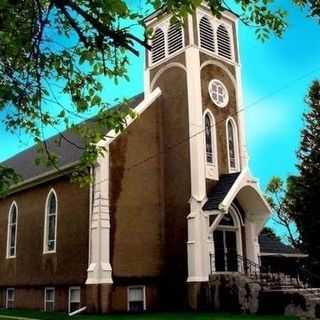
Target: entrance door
<point>225,243</point>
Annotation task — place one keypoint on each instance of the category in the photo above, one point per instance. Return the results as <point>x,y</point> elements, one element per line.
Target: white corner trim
<point>142,106</point>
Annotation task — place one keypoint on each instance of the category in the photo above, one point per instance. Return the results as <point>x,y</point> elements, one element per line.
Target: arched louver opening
<point>158,46</point>
<point>206,34</point>
<point>175,38</point>
<point>224,42</point>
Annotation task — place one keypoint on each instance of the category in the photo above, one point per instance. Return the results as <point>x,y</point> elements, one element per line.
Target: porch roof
<point>243,187</point>
<point>217,194</point>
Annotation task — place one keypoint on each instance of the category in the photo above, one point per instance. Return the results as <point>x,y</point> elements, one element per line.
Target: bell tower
<point>197,67</point>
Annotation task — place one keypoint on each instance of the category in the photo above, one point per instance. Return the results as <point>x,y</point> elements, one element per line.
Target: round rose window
<point>218,93</point>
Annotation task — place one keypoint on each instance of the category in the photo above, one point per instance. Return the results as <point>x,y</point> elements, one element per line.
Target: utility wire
<point>241,109</point>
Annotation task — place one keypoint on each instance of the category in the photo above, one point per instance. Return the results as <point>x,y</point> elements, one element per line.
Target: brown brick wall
<point>31,267</point>
<point>33,298</point>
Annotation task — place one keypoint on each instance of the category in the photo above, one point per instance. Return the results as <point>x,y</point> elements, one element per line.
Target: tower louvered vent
<point>224,43</point>
<point>158,46</point>
<point>175,38</point>
<point>206,34</point>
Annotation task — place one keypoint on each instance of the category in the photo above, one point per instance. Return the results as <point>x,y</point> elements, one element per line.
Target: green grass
<point>146,316</point>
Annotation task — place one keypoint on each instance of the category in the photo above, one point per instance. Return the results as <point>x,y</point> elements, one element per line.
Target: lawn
<point>14,314</point>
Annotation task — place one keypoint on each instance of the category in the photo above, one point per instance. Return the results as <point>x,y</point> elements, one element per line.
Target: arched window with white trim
<point>224,42</point>
<point>50,226</point>
<point>233,149</point>
<point>210,143</point>
<point>206,34</point>
<point>158,51</point>
<point>12,231</point>
<point>175,38</point>
<point>210,138</point>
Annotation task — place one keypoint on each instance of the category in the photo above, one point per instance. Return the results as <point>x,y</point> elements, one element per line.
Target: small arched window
<point>206,34</point>
<point>50,228</point>
<point>12,231</point>
<point>158,51</point>
<point>210,138</point>
<point>232,145</point>
<point>224,42</point>
<point>175,38</point>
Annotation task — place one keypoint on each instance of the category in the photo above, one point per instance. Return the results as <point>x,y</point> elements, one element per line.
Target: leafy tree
<point>54,48</point>
<point>270,233</point>
<point>303,196</point>
<point>276,195</point>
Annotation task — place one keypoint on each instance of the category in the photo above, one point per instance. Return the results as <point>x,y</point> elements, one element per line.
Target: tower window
<point>218,93</point>
<point>209,130</point>
<point>224,42</point>
<point>175,38</point>
<point>12,231</point>
<point>50,228</point>
<point>158,46</point>
<point>232,139</point>
<point>206,34</point>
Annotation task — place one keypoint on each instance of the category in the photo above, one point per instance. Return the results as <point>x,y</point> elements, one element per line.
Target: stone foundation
<point>233,292</point>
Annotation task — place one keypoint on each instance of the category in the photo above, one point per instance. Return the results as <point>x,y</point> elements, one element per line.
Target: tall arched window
<point>12,231</point>
<point>210,138</point>
<point>206,34</point>
<point>50,227</point>
<point>158,51</point>
<point>224,42</point>
<point>233,154</point>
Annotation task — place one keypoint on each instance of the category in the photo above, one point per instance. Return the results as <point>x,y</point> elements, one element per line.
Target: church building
<point>173,200</point>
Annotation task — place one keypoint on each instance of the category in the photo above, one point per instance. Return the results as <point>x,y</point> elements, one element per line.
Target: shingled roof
<point>273,246</point>
<point>24,162</point>
<point>219,191</point>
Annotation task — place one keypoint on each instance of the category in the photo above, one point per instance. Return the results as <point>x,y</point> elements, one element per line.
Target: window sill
<point>49,252</point>
<point>211,172</point>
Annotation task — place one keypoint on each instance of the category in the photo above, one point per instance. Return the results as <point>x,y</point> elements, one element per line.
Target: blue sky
<point>275,78</point>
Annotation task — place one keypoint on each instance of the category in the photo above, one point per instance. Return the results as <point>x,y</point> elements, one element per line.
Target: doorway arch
<point>227,240</point>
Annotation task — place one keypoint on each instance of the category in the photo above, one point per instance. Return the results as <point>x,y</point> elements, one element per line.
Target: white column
<point>198,245</point>
<point>198,225</point>
<point>100,271</point>
<point>252,242</point>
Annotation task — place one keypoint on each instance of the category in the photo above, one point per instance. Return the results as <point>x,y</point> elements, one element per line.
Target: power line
<point>255,103</point>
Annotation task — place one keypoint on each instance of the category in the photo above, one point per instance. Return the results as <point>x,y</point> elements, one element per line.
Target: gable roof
<point>217,194</point>
<point>69,154</point>
<point>273,247</point>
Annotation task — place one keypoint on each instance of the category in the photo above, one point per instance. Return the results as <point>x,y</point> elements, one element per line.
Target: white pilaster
<point>198,245</point>
<point>99,270</point>
<point>252,242</point>
<point>198,224</point>
<point>240,109</point>
<point>197,148</point>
